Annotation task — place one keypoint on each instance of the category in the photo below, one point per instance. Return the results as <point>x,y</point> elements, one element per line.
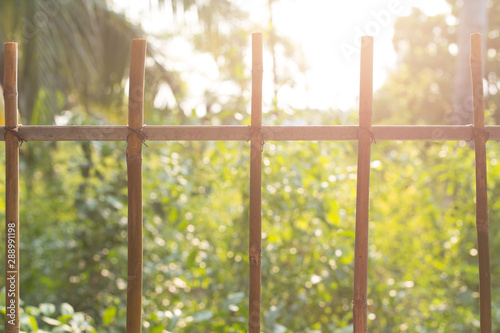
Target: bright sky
<point>328,32</point>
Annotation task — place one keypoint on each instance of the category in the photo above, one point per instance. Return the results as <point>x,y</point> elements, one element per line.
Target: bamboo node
<point>257,69</point>
<point>10,92</point>
<point>139,132</point>
<point>15,131</point>
<point>131,157</point>
<point>479,132</point>
<point>255,255</point>
<point>255,259</point>
<point>483,225</point>
<point>372,136</point>
<point>257,135</point>
<point>359,302</point>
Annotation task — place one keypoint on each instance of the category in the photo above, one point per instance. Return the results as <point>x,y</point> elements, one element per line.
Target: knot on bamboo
<point>257,136</point>
<point>10,92</point>
<point>480,133</point>
<point>257,68</point>
<point>483,225</point>
<point>131,157</point>
<point>255,254</point>
<point>139,132</point>
<point>15,131</point>
<point>370,132</point>
<point>359,302</point>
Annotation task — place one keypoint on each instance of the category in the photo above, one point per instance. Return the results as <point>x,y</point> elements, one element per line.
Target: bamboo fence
<point>136,132</point>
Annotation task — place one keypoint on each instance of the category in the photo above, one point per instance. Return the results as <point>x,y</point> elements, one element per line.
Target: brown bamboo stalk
<point>11,191</point>
<point>363,185</point>
<point>134,174</point>
<point>482,220</point>
<point>255,255</point>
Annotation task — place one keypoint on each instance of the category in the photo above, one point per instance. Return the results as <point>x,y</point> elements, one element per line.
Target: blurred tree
<point>419,91</point>
<point>288,60</point>
<point>473,19</point>
<point>74,54</point>
<point>69,55</point>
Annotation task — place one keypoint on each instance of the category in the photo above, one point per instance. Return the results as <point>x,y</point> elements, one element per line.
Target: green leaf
<point>192,257</point>
<point>67,309</point>
<point>47,309</point>
<point>32,310</point>
<point>33,323</point>
<point>51,321</point>
<point>109,315</point>
<point>235,298</point>
<point>345,329</point>
<point>158,329</point>
<point>279,328</point>
<point>203,315</point>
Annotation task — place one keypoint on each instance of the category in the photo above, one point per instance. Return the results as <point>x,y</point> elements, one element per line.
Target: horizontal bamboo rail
<point>243,133</point>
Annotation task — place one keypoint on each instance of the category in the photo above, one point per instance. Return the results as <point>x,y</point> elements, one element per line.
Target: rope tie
<point>15,131</point>
<point>257,133</point>
<point>139,132</point>
<point>477,132</point>
<point>483,132</point>
<point>372,136</point>
<point>255,254</point>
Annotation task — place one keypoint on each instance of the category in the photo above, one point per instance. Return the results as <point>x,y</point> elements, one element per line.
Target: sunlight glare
<point>327,33</point>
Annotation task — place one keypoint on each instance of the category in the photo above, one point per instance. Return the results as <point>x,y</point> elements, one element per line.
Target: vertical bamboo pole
<point>134,174</point>
<point>482,220</point>
<point>255,255</point>
<point>363,185</point>
<point>11,191</point>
